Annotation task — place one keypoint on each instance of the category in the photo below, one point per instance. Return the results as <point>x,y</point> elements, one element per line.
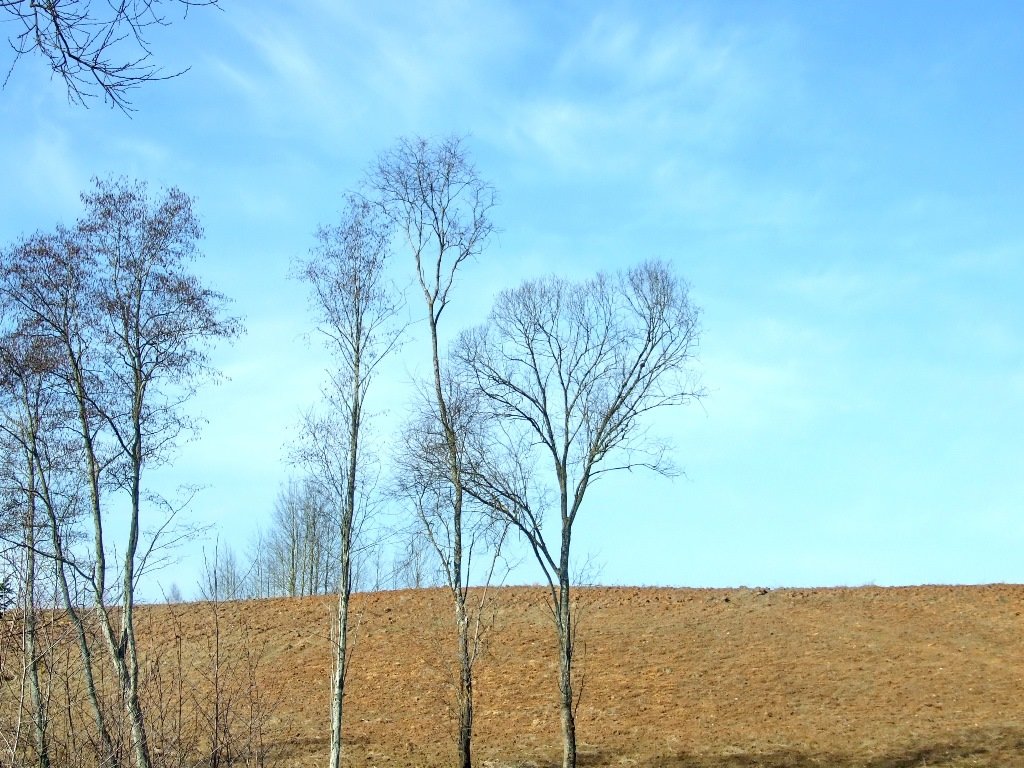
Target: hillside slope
<point>881,677</point>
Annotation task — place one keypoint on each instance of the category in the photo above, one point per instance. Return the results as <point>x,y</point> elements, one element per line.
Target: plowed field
<point>880,677</point>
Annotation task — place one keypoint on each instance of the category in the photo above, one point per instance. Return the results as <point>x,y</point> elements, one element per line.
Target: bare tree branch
<point>97,48</point>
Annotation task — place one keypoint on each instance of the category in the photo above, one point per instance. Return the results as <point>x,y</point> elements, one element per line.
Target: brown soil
<point>879,677</point>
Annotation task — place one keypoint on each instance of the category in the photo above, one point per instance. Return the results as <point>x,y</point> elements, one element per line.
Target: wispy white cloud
<point>294,70</point>
<point>626,93</point>
<point>622,53</point>
<point>288,58</point>
<point>352,77</point>
<point>240,81</point>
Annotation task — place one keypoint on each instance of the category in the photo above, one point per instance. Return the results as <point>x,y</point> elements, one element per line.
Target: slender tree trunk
<point>99,580</point>
<point>565,631</point>
<point>122,647</point>
<point>131,659</point>
<point>109,757</point>
<point>338,684</point>
<point>133,705</point>
<point>345,577</point>
<point>465,755</point>
<point>100,565</point>
<point>458,586</point>
<point>564,619</point>
<point>465,695</point>
<point>32,660</point>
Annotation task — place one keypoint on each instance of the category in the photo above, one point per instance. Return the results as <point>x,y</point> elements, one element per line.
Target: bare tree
<point>424,481</point>
<point>440,205</point>
<point>284,547</point>
<point>132,326</point>
<point>97,48</point>
<point>23,367</point>
<point>43,285</point>
<point>414,565</point>
<point>173,595</point>
<point>155,320</point>
<point>569,371</point>
<point>355,309</point>
<point>222,577</point>
<point>298,554</point>
<point>258,582</point>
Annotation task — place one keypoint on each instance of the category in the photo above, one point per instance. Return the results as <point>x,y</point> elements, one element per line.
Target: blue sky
<point>841,183</point>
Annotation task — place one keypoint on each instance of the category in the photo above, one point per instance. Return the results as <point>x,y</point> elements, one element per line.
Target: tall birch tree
<point>46,282</point>
<point>355,310</point>
<point>154,323</point>
<point>441,209</point>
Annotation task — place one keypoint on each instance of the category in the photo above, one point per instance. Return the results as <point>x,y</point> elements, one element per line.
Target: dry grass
<point>673,678</point>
